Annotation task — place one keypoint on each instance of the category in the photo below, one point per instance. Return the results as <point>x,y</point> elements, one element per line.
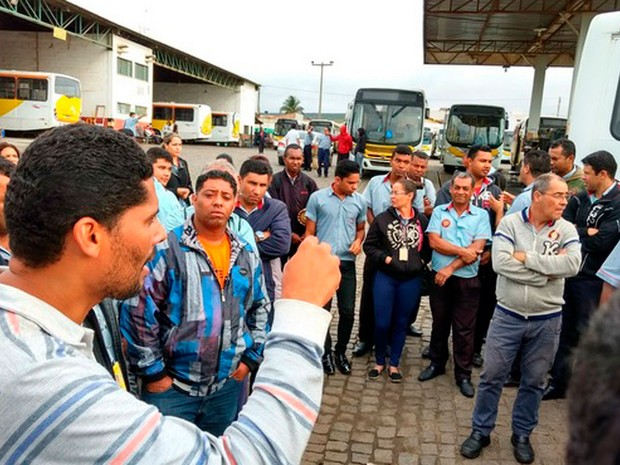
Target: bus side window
<point>32,89</point>
<point>7,87</point>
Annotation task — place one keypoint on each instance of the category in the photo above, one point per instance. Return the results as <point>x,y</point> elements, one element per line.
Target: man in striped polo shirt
<point>81,214</point>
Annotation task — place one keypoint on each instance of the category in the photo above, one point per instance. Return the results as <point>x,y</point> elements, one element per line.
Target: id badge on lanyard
<point>403,252</point>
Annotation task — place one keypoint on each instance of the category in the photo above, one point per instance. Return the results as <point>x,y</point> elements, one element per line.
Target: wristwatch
<point>260,236</point>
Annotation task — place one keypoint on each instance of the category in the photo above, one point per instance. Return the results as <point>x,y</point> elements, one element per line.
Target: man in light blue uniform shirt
<point>610,274</point>
<point>457,233</point>
<point>337,216</point>
<point>535,163</point>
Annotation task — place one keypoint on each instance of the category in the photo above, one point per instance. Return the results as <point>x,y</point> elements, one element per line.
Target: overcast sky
<point>372,44</point>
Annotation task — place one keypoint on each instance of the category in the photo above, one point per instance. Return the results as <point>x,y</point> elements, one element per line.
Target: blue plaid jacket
<point>184,325</point>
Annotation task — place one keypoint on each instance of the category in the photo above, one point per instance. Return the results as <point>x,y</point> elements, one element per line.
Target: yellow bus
<point>36,101</point>
<point>192,120</point>
<point>390,117</point>
<point>468,125</point>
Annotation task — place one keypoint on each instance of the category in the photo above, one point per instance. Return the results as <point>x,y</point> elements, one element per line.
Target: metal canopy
<point>505,32</point>
<point>42,15</point>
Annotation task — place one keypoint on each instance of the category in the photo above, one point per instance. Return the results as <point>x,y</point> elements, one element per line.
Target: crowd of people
<point>198,298</point>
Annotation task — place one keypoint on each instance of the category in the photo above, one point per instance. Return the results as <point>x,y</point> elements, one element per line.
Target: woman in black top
<point>396,245</point>
<point>180,182</point>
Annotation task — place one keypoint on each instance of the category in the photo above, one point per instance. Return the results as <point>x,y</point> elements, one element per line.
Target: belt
<point>534,317</point>
<point>191,389</point>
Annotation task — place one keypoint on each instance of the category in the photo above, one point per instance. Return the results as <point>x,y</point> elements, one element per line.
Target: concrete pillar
<point>540,69</point>
<point>586,19</point>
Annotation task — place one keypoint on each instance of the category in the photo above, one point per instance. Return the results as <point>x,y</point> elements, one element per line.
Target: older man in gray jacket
<point>533,252</point>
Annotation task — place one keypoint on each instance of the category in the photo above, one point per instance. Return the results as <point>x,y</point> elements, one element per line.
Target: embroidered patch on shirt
<point>446,223</point>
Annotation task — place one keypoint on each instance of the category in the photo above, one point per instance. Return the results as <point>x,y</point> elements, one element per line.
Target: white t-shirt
<point>292,137</point>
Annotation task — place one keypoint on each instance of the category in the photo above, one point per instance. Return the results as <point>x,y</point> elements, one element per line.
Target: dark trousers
<point>323,161</point>
<point>454,305</point>
<point>346,307</point>
<point>486,307</point>
<point>366,330</point>
<point>394,303</point>
<point>307,157</point>
<point>342,156</point>
<point>416,307</point>
<point>581,296</point>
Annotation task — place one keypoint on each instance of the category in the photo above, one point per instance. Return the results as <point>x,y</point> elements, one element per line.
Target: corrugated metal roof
<point>505,32</point>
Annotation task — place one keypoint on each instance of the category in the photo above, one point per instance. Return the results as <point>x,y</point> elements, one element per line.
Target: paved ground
<point>377,422</point>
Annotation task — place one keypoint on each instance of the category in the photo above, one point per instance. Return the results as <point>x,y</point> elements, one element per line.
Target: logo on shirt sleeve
<point>446,223</point>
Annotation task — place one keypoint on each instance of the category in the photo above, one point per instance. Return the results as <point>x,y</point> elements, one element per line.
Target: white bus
<point>468,125</point>
<point>192,120</point>
<point>594,119</point>
<point>225,127</point>
<point>390,117</point>
<point>36,101</point>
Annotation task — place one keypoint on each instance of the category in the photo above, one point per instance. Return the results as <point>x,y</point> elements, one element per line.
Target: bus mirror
<point>427,113</point>
<point>507,123</point>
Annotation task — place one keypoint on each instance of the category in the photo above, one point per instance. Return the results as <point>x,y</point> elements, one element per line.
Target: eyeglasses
<point>558,196</point>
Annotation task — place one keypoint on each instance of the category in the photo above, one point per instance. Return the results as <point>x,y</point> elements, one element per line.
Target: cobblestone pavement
<point>378,422</point>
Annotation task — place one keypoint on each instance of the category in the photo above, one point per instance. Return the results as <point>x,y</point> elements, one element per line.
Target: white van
<point>594,119</point>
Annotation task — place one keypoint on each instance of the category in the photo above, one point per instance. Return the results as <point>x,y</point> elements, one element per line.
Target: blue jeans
<point>394,302</point>
<point>213,413</point>
<point>537,339</point>
<point>323,156</point>
<point>359,159</point>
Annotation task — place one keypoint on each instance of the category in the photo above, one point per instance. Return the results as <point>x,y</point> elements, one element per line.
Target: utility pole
<point>322,65</point>
<point>559,105</point>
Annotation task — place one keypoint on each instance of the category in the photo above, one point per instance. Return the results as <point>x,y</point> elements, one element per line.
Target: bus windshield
<point>319,126</point>
<point>389,124</point>
<point>465,129</point>
<point>67,87</point>
<point>428,137</point>
<point>283,125</point>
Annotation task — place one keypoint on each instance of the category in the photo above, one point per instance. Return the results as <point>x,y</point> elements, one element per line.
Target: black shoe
<point>342,363</point>
<point>426,352</point>
<point>395,376</point>
<point>478,360</point>
<point>413,331</point>
<point>523,451</point>
<point>466,388</point>
<point>328,364</point>
<point>432,371</point>
<point>553,392</point>
<point>375,374</point>
<point>474,444</point>
<point>361,349</point>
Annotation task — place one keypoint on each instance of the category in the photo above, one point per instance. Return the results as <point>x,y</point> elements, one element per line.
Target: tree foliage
<point>291,105</point>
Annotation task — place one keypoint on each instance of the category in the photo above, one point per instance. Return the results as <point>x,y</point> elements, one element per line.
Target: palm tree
<point>291,105</point>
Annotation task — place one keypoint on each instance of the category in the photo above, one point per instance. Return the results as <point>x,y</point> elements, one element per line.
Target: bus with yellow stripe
<point>468,125</point>
<point>192,120</point>
<point>390,117</point>
<point>36,101</point>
